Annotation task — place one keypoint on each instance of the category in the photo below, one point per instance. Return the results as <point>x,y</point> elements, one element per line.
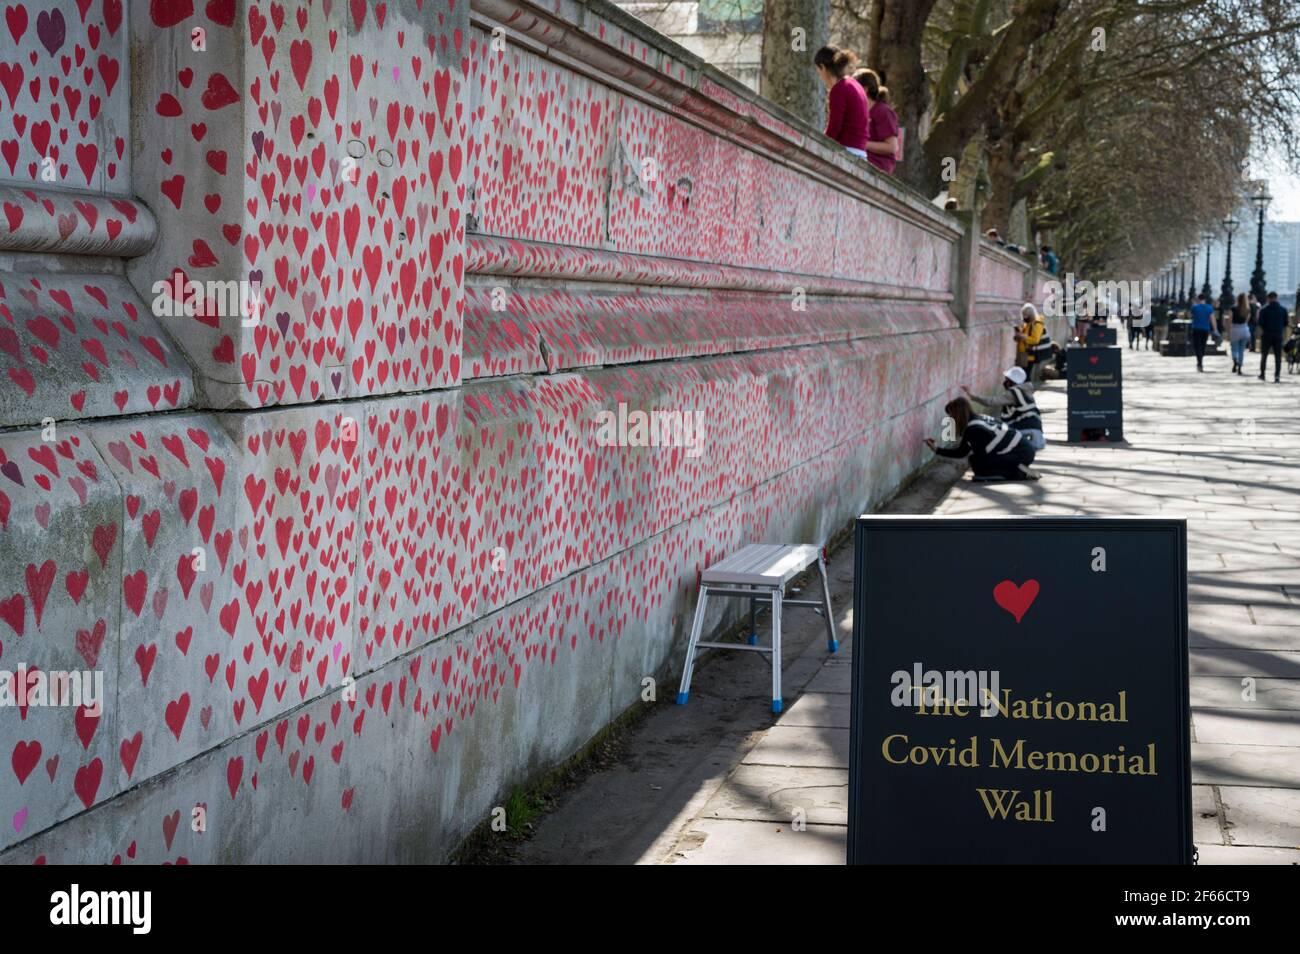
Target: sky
<point>1285,187</point>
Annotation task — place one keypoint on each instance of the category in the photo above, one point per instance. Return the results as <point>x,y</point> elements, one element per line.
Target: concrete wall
<point>352,572</point>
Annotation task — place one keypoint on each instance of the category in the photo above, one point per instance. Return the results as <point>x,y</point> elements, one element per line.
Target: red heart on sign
<point>1016,600</point>
<point>1095,358</point>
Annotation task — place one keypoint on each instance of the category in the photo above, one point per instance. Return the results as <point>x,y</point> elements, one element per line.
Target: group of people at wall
<point>858,114</point>
<point>1047,259</point>
<point>861,120</point>
<point>1003,447</point>
<point>1241,322</point>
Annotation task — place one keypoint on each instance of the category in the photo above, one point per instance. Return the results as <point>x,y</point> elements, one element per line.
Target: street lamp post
<point>1230,225</point>
<point>1192,250</point>
<point>1260,201</point>
<point>1207,237</point>
<point>1182,279</point>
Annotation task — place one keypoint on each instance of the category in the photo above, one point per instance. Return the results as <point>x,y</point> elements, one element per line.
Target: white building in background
<point>726,33</point>
<point>1281,257</point>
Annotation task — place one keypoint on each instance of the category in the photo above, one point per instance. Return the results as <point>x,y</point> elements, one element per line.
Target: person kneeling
<point>996,451</point>
<point>1017,406</point>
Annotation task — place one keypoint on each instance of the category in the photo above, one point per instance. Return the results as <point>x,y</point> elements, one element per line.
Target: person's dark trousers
<point>1271,343</point>
<point>1134,336</point>
<point>1199,338</point>
<point>1008,466</point>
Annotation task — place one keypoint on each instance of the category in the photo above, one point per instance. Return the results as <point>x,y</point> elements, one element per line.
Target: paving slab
<point>781,794</point>
<point>1227,763</point>
<point>723,841</point>
<point>802,746</point>
<point>1262,817</point>
<point>1261,726</point>
<point>1245,662</point>
<point>1216,692</point>
<point>1206,827</point>
<point>1231,855</point>
<point>819,709</point>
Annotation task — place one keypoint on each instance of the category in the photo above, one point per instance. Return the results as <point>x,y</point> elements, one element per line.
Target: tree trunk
<point>987,96</point>
<point>788,77</point>
<point>1002,182</point>
<point>895,53</point>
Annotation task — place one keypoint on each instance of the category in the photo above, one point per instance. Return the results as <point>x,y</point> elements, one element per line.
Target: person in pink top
<point>883,142</point>
<point>846,115</point>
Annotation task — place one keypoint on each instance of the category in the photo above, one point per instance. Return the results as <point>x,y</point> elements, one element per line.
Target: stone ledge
<point>495,255</point>
<point>45,220</point>
<point>75,346</point>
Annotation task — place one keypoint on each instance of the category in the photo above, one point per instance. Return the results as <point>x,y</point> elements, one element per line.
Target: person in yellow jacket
<point>1031,339</point>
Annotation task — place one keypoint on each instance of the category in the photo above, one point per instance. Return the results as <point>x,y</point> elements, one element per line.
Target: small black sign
<point>1067,640</point>
<point>1095,396</point>
<point>1100,336</point>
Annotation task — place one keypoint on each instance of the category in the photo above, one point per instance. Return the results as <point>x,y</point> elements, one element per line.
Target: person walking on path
<point>1254,319</point>
<point>1016,406</point>
<point>1202,328</point>
<point>846,114</point>
<point>996,451</point>
<point>1272,331</point>
<point>1241,334</point>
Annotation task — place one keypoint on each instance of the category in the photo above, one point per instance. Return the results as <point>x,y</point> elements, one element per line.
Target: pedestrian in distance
<point>1134,330</point>
<point>1202,328</point>
<point>1049,260</point>
<point>1273,321</point>
<point>996,451</point>
<point>1253,324</point>
<point>1240,333</point>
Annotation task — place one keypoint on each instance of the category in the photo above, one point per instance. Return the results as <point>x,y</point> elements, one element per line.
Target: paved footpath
<point>1219,449</point>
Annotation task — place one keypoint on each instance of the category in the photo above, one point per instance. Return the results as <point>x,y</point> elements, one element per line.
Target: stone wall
<point>353,570</point>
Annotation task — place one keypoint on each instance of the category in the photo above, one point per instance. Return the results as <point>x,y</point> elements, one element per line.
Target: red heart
<point>87,780</point>
<point>1016,600</point>
<point>24,759</point>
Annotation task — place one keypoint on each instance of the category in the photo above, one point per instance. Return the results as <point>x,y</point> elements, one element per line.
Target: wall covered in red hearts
<point>352,566</point>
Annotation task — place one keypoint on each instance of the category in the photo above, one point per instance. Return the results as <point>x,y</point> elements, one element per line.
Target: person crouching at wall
<point>846,111</point>
<point>1018,408</point>
<point>996,451</point>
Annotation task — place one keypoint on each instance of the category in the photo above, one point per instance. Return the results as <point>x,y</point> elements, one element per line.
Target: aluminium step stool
<point>759,572</point>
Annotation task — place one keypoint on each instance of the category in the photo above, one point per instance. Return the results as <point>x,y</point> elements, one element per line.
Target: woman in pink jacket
<point>882,123</point>
<point>846,115</point>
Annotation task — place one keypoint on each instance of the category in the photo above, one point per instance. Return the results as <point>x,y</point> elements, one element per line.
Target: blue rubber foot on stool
<point>776,705</point>
<point>682,697</point>
<point>753,639</point>
<point>833,645</point>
